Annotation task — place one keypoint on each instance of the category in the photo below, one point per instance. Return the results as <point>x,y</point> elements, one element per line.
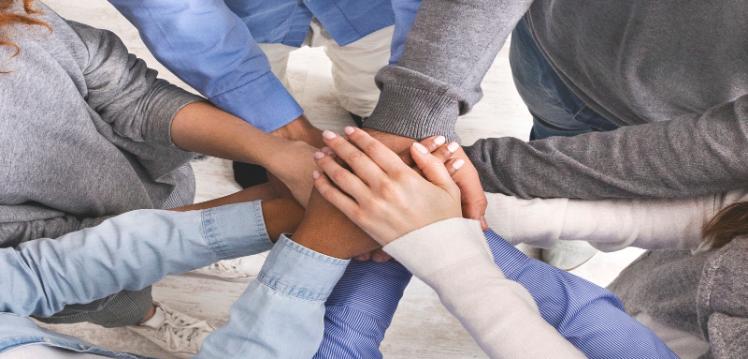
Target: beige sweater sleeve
<point>609,225</point>
<point>452,257</point>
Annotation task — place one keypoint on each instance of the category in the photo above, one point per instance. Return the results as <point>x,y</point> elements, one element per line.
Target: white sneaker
<point>238,269</point>
<point>174,332</point>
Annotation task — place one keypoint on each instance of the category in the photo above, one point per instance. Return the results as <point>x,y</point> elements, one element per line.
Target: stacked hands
<point>367,195</point>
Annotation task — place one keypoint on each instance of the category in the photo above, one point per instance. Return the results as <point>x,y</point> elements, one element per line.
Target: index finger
<point>384,157</point>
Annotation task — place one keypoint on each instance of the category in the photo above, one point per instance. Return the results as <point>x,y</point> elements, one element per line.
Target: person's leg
<point>354,66</point>
<point>556,111</point>
<point>128,308</point>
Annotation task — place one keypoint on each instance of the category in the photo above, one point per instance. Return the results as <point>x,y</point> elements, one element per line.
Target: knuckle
<point>356,156</point>
<point>370,147</point>
<point>338,175</point>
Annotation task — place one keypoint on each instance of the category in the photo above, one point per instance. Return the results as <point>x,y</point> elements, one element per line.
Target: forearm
<point>280,315</point>
<point>203,128</point>
<point>361,308</point>
<point>590,317</point>
<point>451,257</point>
<point>609,225</point>
<point>445,58</point>
<point>235,76</point>
<point>128,252</point>
<point>672,159</point>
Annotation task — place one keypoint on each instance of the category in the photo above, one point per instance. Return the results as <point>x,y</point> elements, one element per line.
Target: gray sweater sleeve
<point>670,159</point>
<point>448,51</point>
<point>15,233</point>
<point>125,92</point>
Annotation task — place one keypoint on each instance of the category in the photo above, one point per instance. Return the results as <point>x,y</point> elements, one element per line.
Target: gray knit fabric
<point>678,68</point>
<point>84,135</point>
<point>85,132</point>
<point>704,294</point>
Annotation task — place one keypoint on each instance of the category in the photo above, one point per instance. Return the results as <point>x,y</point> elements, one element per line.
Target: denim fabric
<point>128,307</point>
<point>555,109</point>
<point>280,315</point>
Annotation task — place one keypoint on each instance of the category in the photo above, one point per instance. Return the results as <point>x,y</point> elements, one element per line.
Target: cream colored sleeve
<point>452,257</point>
<point>609,225</point>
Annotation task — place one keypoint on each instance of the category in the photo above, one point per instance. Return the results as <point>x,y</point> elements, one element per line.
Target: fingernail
<point>419,147</point>
<point>318,155</point>
<point>452,147</point>
<point>349,130</point>
<point>326,150</point>
<point>458,164</point>
<point>440,140</point>
<point>329,134</point>
<point>315,174</point>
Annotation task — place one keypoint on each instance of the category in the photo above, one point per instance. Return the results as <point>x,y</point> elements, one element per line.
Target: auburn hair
<point>8,17</point>
<point>731,222</point>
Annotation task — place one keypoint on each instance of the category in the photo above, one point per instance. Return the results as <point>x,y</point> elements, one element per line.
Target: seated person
<point>89,132</point>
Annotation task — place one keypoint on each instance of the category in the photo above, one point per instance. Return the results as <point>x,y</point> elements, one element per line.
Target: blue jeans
<point>556,111</point>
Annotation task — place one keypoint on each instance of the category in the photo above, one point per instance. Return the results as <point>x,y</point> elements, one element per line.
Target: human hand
<point>474,202</point>
<point>444,153</point>
<point>326,230</point>
<point>301,129</point>
<point>385,197</point>
<point>291,171</point>
<point>473,198</point>
<point>290,168</point>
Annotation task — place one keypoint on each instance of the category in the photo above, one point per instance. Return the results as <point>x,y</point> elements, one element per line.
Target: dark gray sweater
<point>673,73</point>
<point>84,133</point>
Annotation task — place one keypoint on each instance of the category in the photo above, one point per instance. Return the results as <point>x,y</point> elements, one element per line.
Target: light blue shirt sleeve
<point>127,252</point>
<point>281,314</point>
<point>209,47</point>
<point>588,316</point>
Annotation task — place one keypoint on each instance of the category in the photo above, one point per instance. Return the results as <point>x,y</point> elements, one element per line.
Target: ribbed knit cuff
<point>414,113</point>
<point>167,100</point>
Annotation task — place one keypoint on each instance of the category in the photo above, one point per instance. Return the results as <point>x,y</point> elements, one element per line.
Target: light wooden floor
<point>422,328</point>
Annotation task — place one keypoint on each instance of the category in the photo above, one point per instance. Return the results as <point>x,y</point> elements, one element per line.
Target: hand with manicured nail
<point>382,194</point>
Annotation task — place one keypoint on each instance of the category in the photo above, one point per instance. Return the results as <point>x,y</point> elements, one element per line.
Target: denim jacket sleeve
<point>209,47</point>
<point>127,252</point>
<point>281,314</point>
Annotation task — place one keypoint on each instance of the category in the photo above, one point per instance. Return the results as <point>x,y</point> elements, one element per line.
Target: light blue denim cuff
<point>236,230</point>
<point>265,103</point>
<point>294,270</point>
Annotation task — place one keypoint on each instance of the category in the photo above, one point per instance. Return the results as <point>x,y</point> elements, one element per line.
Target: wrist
<point>281,215</point>
<point>394,142</point>
<point>300,129</point>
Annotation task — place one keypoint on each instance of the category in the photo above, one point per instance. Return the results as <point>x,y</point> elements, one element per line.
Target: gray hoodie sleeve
<point>448,51</point>
<point>125,92</point>
<point>670,159</point>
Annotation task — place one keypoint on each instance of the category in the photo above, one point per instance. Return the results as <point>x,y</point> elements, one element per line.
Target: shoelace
<point>223,266</point>
<point>179,333</point>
